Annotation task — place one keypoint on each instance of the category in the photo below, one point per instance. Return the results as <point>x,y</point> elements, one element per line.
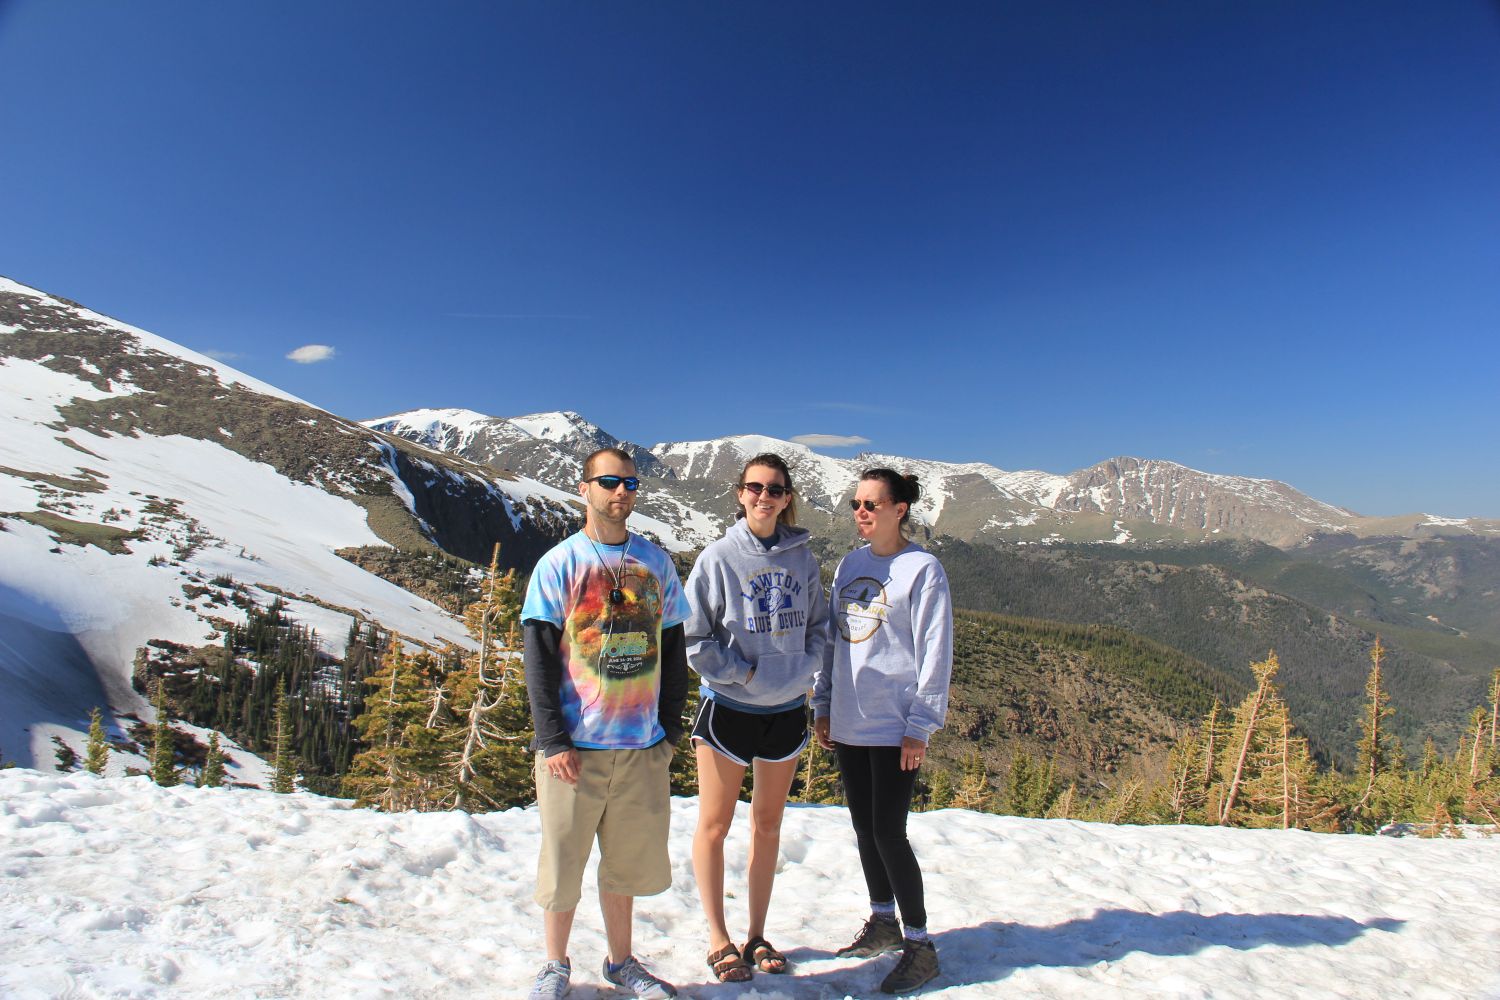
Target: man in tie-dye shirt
<point>606,670</point>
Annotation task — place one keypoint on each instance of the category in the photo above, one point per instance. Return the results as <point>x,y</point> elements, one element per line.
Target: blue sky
<point>1255,238</point>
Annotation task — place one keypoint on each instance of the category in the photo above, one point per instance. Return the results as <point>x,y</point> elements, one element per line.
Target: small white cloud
<point>311,354</point>
<point>830,440</point>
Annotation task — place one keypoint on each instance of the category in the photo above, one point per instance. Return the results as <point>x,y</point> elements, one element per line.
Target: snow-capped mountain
<point>1124,499</point>
<point>549,447</point>
<point>1168,495</point>
<point>821,481</point>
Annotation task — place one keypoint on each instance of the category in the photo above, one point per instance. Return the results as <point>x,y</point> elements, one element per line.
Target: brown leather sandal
<point>728,965</point>
<point>764,957</point>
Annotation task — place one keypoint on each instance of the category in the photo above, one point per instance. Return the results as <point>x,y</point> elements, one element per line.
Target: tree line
<point>450,729</point>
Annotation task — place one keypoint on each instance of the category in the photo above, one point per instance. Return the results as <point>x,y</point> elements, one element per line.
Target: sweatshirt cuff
<point>915,732</point>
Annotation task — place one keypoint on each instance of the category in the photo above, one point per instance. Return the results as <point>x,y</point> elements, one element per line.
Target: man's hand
<point>564,765</point>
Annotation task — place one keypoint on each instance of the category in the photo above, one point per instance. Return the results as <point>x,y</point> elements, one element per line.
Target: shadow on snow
<point>48,677</point>
<point>1106,936</point>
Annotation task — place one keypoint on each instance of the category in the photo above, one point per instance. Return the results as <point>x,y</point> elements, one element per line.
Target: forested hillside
<point>1227,622</point>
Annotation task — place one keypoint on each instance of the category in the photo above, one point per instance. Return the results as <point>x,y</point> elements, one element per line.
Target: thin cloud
<point>830,440</point>
<point>311,354</point>
<point>225,355</point>
<point>516,316</point>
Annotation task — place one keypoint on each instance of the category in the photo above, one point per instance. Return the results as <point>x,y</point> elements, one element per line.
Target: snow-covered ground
<point>117,888</point>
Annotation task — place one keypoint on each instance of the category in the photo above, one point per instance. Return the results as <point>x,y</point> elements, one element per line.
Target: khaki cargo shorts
<point>624,798</point>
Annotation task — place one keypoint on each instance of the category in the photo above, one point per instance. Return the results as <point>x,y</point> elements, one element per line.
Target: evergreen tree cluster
<point>270,688</point>
<point>450,730</point>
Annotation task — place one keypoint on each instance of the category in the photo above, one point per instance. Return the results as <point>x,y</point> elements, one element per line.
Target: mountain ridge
<point>1120,499</point>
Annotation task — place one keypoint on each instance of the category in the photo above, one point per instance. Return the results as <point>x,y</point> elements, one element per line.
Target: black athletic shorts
<point>745,736</point>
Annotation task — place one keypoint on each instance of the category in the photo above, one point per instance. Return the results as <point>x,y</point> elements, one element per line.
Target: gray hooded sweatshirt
<point>759,620</point>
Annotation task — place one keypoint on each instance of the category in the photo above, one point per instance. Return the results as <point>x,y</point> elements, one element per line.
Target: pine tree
<point>1495,711</point>
<point>1248,734</point>
<point>212,775</point>
<point>96,752</point>
<point>399,769</point>
<point>1066,806</point>
<point>489,763</point>
<point>1282,790</point>
<point>162,750</point>
<point>684,770</point>
<point>974,791</point>
<point>940,790</point>
<point>1476,769</point>
<point>1374,751</point>
<point>284,780</point>
<point>819,777</point>
<point>1127,804</point>
<point>1031,786</point>
<point>1213,736</point>
<point>1190,774</point>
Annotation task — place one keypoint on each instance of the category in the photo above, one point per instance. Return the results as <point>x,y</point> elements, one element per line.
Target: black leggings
<point>879,796</point>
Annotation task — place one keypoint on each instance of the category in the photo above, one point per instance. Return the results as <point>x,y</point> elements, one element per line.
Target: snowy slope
<point>149,341</point>
<point>117,888</point>
<point>183,512</point>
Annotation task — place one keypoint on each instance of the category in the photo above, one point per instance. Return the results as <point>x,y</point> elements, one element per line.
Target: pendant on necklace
<point>617,596</point>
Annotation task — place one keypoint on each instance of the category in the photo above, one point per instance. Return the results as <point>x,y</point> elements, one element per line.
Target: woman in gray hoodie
<point>756,635</point>
<point>880,695</point>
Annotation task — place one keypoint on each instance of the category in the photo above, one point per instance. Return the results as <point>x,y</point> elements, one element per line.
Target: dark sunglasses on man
<point>612,483</point>
<point>776,490</point>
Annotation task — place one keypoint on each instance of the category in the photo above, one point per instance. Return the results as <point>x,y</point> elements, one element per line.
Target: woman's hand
<point>913,751</point>
<point>820,733</point>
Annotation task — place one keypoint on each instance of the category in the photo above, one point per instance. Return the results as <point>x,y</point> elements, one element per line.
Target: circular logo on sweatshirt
<point>862,608</point>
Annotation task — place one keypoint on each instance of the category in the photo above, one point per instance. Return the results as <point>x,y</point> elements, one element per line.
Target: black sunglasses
<point>612,483</point>
<point>869,505</point>
<point>776,490</point>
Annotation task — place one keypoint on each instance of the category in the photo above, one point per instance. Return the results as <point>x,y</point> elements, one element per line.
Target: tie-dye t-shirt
<point>611,651</point>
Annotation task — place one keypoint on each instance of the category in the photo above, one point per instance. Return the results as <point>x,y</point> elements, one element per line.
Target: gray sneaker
<point>552,982</point>
<point>918,967</point>
<point>879,935</point>
<point>634,977</point>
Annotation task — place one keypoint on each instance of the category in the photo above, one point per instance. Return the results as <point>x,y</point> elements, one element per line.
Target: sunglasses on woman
<point>612,483</point>
<point>870,506</point>
<point>776,490</point>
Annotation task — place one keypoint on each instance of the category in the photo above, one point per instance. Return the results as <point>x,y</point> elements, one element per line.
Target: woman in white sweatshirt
<point>755,636</point>
<point>880,695</point>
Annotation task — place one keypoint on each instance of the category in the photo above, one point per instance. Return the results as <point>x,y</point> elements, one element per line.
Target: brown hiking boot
<point>917,968</point>
<point>880,935</point>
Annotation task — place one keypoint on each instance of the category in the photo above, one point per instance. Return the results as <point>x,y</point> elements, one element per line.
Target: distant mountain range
<point>1122,500</point>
